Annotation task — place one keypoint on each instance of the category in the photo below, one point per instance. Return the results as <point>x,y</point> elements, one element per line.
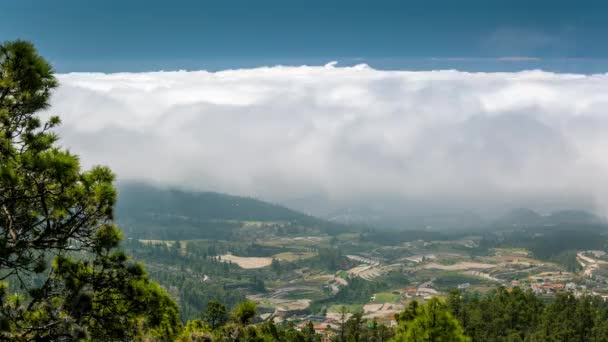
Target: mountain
<point>150,212</point>
<point>405,218</point>
<point>453,220</point>
<point>523,217</point>
<point>520,217</point>
<point>574,217</point>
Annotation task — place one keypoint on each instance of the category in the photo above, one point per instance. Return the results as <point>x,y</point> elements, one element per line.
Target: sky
<point>152,35</point>
<point>423,105</point>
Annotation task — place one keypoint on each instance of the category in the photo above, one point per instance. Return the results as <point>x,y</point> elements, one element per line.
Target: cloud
<point>349,133</point>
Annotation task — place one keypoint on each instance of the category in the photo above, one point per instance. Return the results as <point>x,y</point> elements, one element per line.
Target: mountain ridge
<point>153,212</point>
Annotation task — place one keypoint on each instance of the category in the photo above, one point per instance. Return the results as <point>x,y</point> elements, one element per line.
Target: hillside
<point>146,211</point>
<point>523,217</point>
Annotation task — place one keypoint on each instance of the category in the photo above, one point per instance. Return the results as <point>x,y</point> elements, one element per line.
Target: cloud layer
<point>349,133</point>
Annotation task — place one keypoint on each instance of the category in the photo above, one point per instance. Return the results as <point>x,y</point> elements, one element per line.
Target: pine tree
<point>432,323</point>
<point>50,210</point>
<point>244,312</point>
<point>216,314</point>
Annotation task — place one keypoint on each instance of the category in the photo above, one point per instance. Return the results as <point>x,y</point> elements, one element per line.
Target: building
<point>464,286</point>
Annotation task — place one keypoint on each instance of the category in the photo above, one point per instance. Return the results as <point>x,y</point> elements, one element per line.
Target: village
<point>505,267</point>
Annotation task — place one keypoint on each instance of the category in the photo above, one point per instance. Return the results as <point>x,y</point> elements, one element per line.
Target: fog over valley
<point>346,141</point>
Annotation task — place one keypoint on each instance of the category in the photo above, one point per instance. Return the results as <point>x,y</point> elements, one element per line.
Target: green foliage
<point>515,315</point>
<point>568,260</point>
<point>184,274</point>
<point>573,319</point>
<point>244,312</point>
<point>146,212</point>
<point>450,280</point>
<point>45,202</point>
<point>195,330</point>
<point>216,314</point>
<point>309,333</point>
<point>50,209</point>
<point>555,242</point>
<point>357,328</point>
<point>429,322</point>
<point>358,291</point>
<point>501,315</point>
<point>330,259</point>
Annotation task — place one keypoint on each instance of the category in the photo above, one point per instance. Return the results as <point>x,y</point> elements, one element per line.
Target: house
<point>537,289</point>
<point>321,327</point>
<point>428,291</point>
<point>410,292</point>
<point>325,330</point>
<point>464,286</point>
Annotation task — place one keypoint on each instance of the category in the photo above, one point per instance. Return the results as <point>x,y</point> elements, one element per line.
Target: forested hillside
<point>522,217</point>
<point>145,211</point>
<point>500,315</point>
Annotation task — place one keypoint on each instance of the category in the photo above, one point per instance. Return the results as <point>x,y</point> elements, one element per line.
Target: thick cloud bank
<point>348,133</point>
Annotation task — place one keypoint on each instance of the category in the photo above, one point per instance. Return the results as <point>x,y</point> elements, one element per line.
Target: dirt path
<point>589,264</point>
<point>459,266</point>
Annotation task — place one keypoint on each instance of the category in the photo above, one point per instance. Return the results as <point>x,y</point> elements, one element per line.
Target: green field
<point>293,256</point>
<point>386,297</point>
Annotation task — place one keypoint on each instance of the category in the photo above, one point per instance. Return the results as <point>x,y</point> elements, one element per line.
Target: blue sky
<point>469,35</point>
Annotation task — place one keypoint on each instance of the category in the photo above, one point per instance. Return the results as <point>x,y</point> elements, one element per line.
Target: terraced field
<point>465,265</point>
<point>247,262</point>
<point>293,256</point>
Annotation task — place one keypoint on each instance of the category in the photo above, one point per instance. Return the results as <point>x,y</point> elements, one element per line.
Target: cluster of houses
<point>556,284</point>
<point>546,288</point>
<point>328,326</point>
<point>323,326</point>
<point>544,284</point>
<point>423,292</point>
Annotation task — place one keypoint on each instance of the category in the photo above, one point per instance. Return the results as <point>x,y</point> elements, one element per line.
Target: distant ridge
<point>526,217</point>
<point>148,211</point>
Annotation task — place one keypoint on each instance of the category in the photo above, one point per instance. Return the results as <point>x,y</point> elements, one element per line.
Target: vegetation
<point>145,211</point>
<point>500,315</point>
<point>239,328</point>
<point>550,242</point>
<point>515,315</point>
<point>58,243</point>
<point>429,322</point>
<point>67,274</point>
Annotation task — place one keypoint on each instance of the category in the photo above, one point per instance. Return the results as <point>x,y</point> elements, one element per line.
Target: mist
<point>319,138</point>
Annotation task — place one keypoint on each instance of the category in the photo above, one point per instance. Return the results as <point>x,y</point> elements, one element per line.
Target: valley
<point>317,270</point>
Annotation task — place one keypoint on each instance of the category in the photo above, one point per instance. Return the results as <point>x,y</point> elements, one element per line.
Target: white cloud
<point>348,132</point>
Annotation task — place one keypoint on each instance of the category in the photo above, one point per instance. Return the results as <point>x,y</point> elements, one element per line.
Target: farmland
<point>293,270</point>
<point>247,262</point>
